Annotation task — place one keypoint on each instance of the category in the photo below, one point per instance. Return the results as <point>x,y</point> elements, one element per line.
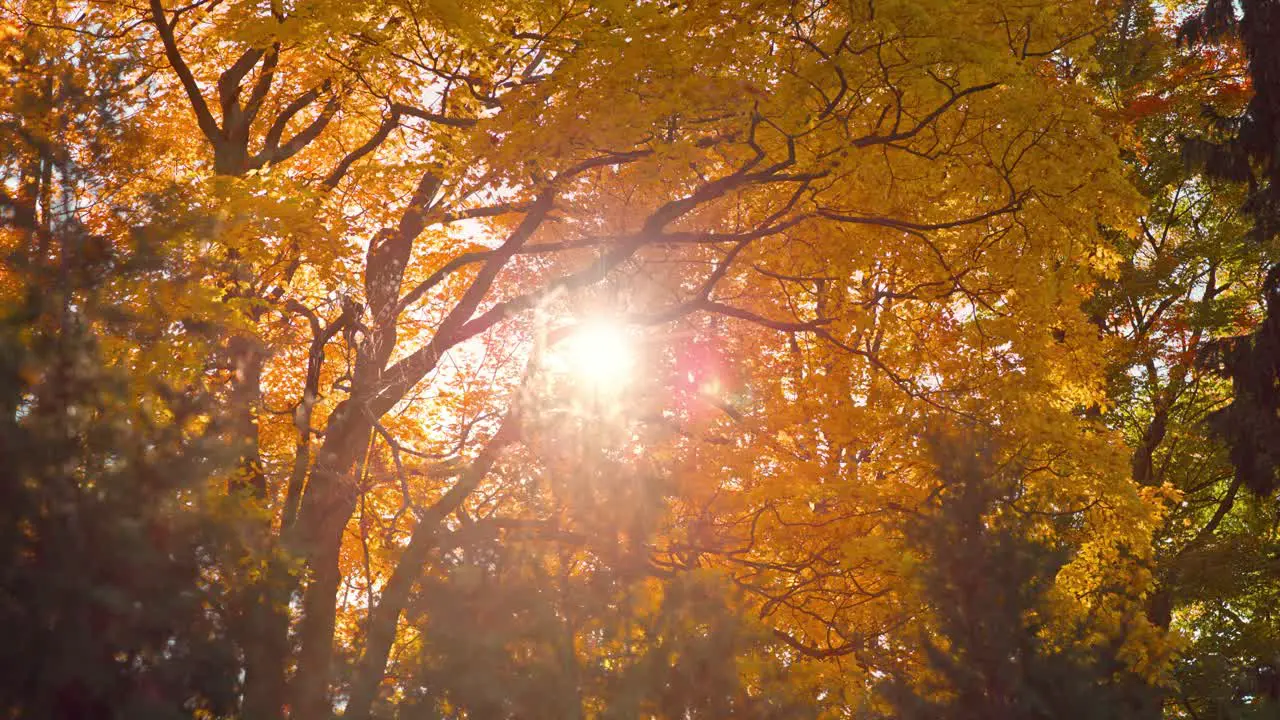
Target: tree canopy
<point>551,359</point>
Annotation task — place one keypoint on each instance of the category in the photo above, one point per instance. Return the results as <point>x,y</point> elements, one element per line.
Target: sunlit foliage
<point>563,359</point>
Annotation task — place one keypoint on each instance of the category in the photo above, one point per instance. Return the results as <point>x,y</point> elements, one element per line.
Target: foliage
<point>1191,286</point>
<point>1243,148</point>
<point>112,583</point>
<point>120,548</point>
<point>987,581</point>
<point>331,262</point>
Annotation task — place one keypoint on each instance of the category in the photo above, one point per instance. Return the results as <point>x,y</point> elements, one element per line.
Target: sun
<point>599,353</point>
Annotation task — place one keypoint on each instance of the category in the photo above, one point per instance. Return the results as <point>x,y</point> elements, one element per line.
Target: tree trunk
<point>316,539</point>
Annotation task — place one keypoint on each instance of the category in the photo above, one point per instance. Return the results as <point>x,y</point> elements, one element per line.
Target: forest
<point>640,359</point>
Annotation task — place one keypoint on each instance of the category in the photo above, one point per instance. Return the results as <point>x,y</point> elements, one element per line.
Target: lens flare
<point>598,353</point>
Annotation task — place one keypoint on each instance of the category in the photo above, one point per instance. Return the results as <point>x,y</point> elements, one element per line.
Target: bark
<point>265,648</point>
<point>1144,454</point>
<point>246,396</point>
<point>310,691</point>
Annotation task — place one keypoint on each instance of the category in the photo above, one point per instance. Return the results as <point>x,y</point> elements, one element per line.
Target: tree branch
<point>204,118</point>
<point>384,618</point>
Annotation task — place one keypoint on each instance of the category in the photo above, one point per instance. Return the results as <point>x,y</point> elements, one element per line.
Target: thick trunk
<point>230,158</point>
<point>25,217</point>
<point>316,539</point>
<point>266,648</point>
<point>310,689</point>
<point>246,396</point>
<point>264,624</point>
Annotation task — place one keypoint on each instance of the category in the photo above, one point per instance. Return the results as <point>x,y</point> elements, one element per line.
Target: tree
<point>1189,282</point>
<point>990,652</point>
<point>116,552</point>
<point>402,214</point>
<point>1244,150</point>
